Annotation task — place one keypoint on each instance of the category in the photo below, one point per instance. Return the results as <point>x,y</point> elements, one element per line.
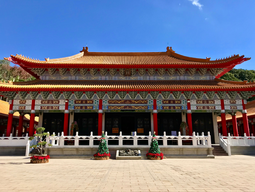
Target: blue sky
<point>195,28</point>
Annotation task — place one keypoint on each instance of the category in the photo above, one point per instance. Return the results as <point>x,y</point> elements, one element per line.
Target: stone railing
<point>14,141</point>
<point>130,141</point>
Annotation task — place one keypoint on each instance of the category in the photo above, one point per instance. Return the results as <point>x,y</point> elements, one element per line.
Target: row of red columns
<point>155,119</point>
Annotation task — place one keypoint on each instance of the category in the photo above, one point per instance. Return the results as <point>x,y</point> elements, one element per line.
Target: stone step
<point>218,151</point>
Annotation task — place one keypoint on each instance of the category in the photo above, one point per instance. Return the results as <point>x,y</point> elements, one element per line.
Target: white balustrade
<point>14,141</point>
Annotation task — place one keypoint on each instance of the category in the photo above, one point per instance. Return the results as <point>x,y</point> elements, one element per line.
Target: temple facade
<point>129,92</point>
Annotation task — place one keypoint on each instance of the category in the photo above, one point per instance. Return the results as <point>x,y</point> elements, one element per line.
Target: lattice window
<point>133,94</point>
<point>161,71</point>
<point>210,94</point>
<point>143,94</point>
<point>181,71</point>
<point>52,71</point>
<point>221,94</point>
<point>111,94</point>
<point>171,71</point>
<point>45,94</point>
<point>199,94</point>
<point>188,94</point>
<point>56,94</point>
<point>122,94</point>
<point>83,71</point>
<point>151,71</point>
<point>154,94</point>
<point>232,94</point>
<point>192,71</point>
<point>215,71</point>
<point>100,94</point>
<point>93,71</point>
<point>89,94</point>
<point>67,94</point>
<point>165,94</point>
<point>122,72</point>
<point>62,71</point>
<point>177,94</point>
<point>103,71</point>
<point>23,94</point>
<point>202,71</point>
<point>141,72</point>
<point>112,71</point>
<point>33,94</point>
<point>78,94</point>
<point>73,71</point>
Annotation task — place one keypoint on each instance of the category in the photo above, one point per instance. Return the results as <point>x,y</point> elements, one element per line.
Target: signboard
<point>171,107</point>
<point>127,107</point>
<point>49,101</point>
<point>83,102</point>
<point>140,130</point>
<point>127,102</point>
<point>49,108</point>
<point>83,107</point>
<point>115,130</point>
<point>171,102</point>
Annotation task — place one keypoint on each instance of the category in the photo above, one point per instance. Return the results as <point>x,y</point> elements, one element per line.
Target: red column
<point>32,119</point>
<point>21,117</point>
<point>223,118</point>
<point>10,117</point>
<point>189,117</point>
<point>66,115</point>
<point>253,128</point>
<point>155,116</point>
<point>100,117</point>
<point>245,120</point>
<point>234,123</point>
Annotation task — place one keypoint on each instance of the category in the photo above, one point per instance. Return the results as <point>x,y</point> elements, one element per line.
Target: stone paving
<point>235,173</point>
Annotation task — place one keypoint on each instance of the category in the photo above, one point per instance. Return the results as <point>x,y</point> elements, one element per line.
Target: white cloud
<point>196,3</point>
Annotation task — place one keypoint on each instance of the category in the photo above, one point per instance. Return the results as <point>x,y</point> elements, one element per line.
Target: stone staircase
<point>218,150</point>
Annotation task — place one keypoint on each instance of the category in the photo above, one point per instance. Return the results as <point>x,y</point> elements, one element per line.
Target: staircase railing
<point>224,143</point>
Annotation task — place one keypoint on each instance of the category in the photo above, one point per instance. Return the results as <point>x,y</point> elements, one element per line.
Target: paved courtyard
<point>235,173</point>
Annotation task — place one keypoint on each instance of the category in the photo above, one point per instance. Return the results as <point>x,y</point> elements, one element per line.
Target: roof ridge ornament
<point>85,50</point>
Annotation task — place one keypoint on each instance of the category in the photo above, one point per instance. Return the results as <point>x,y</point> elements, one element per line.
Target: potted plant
<point>38,152</point>
<point>184,128</point>
<point>102,151</point>
<point>154,151</point>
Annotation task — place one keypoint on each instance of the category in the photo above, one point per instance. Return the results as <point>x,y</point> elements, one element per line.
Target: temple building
<point>128,92</point>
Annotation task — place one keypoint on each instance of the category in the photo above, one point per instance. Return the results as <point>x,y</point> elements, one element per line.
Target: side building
<point>129,91</point>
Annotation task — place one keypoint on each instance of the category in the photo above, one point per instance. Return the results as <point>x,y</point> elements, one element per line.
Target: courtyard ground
<point>234,173</point>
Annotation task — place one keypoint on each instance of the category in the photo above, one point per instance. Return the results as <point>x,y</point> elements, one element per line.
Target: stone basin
<point>131,154</point>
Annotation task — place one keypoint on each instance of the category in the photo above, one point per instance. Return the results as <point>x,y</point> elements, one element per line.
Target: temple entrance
<point>169,122</point>
<point>87,122</point>
<point>53,122</point>
<point>127,123</point>
<point>202,122</point>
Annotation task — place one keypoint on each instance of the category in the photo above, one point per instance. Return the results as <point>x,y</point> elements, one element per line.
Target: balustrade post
<point>245,139</point>
<point>149,139</point>
<point>179,139</point>
<point>27,148</point>
<point>48,139</point>
<point>62,141</point>
<point>203,138</point>
<point>194,139</point>
<point>229,145</point>
<point>120,139</point>
<point>91,139</point>
<point>198,139</point>
<point>209,143</point>
<point>76,141</point>
<point>164,140</point>
<point>106,137</point>
<point>135,140</point>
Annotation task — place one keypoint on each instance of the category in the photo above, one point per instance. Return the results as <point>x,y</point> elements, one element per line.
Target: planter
<point>40,159</point>
<point>153,158</point>
<point>101,158</point>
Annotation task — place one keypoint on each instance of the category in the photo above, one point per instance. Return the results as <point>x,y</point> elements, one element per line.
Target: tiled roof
<point>128,85</point>
<point>125,58</point>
